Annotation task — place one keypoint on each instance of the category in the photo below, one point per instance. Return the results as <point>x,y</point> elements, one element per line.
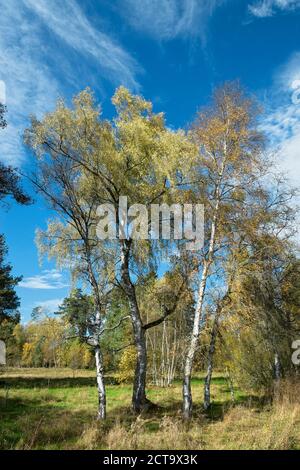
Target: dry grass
<point>273,427</point>
<point>171,434</point>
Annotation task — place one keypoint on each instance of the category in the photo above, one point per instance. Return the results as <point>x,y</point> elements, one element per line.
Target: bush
<point>126,367</point>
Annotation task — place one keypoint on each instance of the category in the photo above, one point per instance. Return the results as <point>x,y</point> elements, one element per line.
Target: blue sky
<point>172,51</point>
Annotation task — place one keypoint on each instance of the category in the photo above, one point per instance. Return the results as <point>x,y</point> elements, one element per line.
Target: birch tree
<point>266,313</point>
<point>226,174</point>
<point>259,246</point>
<point>166,342</point>
<point>71,237</point>
<point>136,156</point>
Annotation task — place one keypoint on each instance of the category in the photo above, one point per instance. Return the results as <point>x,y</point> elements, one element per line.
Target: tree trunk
<point>230,383</point>
<point>186,389</point>
<point>139,400</point>
<point>198,320</point>
<point>95,340</point>
<point>277,367</point>
<point>100,383</point>
<point>210,359</point>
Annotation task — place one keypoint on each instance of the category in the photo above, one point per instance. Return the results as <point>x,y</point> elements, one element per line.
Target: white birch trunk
<point>100,384</point>
<point>198,320</point>
<point>277,367</point>
<point>139,400</point>
<point>95,342</point>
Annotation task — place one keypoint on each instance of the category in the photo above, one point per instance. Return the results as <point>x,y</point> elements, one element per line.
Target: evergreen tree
<point>78,310</point>
<point>9,301</point>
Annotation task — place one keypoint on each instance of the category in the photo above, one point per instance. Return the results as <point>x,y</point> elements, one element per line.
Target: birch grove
<point>170,295</point>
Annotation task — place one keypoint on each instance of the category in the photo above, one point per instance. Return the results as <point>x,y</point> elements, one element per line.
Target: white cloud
<point>48,279</point>
<point>49,306</point>
<point>167,19</point>
<point>29,84</point>
<point>282,119</point>
<point>291,157</point>
<point>265,8</point>
<point>68,21</point>
<point>281,124</point>
<point>36,69</point>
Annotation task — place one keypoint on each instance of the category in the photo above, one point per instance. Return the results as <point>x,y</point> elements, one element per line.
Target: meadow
<point>56,409</point>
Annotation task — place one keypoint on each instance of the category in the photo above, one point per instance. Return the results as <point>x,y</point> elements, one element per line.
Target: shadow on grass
<point>219,409</point>
<point>36,424</point>
<point>56,382</point>
<point>32,424</point>
<point>173,408</point>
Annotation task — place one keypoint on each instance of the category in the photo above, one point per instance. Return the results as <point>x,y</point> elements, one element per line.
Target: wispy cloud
<point>48,279</point>
<point>168,19</point>
<point>281,124</point>
<point>67,20</point>
<point>28,81</point>
<point>265,8</point>
<point>46,49</point>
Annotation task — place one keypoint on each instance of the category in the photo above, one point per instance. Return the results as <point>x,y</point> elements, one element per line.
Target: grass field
<point>56,408</point>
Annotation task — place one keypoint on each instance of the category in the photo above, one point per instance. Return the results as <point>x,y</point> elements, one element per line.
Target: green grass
<point>56,409</point>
